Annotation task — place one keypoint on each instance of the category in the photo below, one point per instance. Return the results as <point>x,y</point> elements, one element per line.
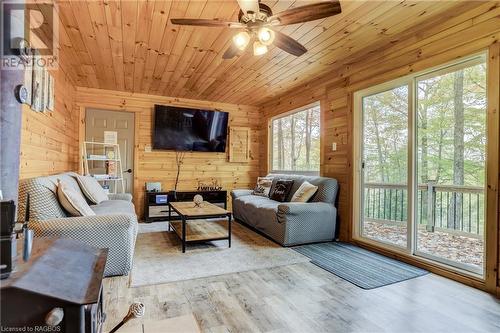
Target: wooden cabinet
<point>157,210</point>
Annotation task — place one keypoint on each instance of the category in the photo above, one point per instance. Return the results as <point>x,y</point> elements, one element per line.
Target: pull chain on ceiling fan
<point>257,21</point>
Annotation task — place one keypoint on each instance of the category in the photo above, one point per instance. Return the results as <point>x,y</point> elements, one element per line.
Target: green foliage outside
<point>450,139</point>
<point>296,141</point>
<point>386,130</point>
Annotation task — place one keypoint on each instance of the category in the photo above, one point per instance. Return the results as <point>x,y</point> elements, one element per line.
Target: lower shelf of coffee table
<point>200,230</point>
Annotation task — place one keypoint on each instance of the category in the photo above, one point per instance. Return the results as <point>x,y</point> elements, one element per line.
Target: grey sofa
<point>291,223</point>
<point>114,226</point>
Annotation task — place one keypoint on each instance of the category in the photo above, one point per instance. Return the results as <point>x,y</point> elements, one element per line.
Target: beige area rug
<point>158,258</point>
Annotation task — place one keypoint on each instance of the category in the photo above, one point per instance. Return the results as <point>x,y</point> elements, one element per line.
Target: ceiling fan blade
<point>249,6</point>
<point>231,52</point>
<point>307,13</point>
<point>288,44</point>
<point>207,23</point>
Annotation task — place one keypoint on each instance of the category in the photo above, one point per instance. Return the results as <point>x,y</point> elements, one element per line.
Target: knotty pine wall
<point>159,166</point>
<point>440,42</point>
<point>49,140</point>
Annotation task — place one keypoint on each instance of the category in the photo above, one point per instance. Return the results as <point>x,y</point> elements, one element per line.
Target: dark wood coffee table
<point>191,230</point>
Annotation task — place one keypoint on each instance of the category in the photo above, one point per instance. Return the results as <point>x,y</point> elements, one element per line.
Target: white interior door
<point>97,121</point>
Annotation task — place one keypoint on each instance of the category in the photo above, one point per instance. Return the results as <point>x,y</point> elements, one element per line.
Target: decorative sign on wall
<point>39,84</point>
<point>50,102</point>
<point>212,186</point>
<point>37,101</point>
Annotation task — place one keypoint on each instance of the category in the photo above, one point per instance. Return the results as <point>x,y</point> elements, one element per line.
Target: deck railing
<point>450,207</point>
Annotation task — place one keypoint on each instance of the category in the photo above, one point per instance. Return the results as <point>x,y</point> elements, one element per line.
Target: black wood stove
<point>59,289</point>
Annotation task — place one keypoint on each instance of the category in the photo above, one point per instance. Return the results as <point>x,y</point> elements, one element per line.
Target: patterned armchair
<point>114,226</point>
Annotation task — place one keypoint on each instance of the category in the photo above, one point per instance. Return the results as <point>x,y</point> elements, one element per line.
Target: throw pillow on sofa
<point>92,189</point>
<point>263,186</point>
<point>281,190</point>
<point>74,203</point>
<point>304,192</point>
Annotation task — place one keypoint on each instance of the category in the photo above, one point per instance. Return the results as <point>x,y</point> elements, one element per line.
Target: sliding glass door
<point>385,166</point>
<point>451,147</point>
<point>421,155</point>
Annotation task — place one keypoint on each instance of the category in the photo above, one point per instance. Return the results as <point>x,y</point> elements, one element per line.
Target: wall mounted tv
<point>185,129</point>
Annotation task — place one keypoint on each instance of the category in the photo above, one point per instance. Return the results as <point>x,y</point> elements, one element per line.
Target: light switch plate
<point>334,146</point>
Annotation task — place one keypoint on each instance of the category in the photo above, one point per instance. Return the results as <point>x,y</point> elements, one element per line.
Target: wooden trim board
<point>492,246</point>
<point>239,144</point>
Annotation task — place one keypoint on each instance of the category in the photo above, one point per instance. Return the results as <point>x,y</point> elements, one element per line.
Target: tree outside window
<point>296,141</point>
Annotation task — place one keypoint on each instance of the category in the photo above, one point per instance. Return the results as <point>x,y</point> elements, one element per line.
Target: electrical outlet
<point>147,148</point>
<point>334,146</point>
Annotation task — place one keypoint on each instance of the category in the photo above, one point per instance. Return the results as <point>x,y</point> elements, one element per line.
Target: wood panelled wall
<point>462,35</point>
<point>493,244</point>
<point>49,140</point>
<point>160,165</point>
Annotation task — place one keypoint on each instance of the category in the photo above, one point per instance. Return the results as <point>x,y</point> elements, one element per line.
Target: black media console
<point>157,210</point>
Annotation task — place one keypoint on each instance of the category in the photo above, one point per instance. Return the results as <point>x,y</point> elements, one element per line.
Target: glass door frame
<point>358,140</point>
<point>411,81</point>
<point>442,70</point>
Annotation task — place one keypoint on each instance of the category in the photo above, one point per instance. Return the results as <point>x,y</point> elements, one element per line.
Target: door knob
<point>128,171</point>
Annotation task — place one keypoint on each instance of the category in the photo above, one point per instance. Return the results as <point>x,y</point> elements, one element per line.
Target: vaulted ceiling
<point>132,45</point>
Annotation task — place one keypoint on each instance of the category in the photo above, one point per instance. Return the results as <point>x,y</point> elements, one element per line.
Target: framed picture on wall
<point>37,99</point>
<point>49,90</point>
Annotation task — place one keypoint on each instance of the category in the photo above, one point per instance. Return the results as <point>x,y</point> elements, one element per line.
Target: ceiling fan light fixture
<point>241,40</point>
<point>266,36</point>
<point>259,48</point>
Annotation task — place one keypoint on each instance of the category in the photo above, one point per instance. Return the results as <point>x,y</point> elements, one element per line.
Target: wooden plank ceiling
<point>132,45</point>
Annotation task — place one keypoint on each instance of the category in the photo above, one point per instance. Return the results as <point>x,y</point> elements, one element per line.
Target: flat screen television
<point>186,129</point>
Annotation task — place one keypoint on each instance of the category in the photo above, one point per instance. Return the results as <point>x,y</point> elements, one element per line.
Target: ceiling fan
<point>257,21</point>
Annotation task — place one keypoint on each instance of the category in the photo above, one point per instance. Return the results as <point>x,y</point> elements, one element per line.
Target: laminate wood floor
<point>305,298</point>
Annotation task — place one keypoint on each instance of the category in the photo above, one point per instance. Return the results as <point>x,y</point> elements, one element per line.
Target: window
<point>295,142</point>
